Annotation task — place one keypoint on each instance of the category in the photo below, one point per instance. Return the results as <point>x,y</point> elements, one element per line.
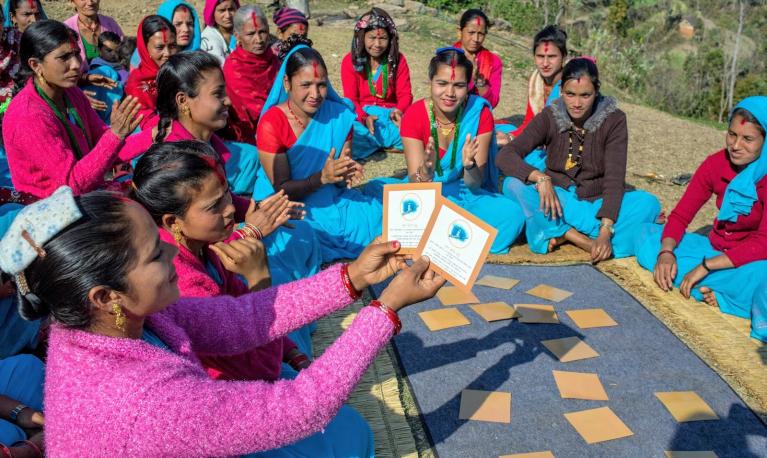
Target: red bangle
<point>298,359</point>
<point>353,292</point>
<point>391,314</point>
<point>35,448</point>
<point>671,252</point>
<point>5,452</point>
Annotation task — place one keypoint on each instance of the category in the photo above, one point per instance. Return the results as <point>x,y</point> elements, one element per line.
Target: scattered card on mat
<point>536,313</point>
<point>495,311</point>
<point>451,295</point>
<point>686,406</point>
<point>570,349</point>
<point>481,405</point>
<point>598,425</point>
<point>546,454</point>
<point>591,318</point>
<point>580,385</point>
<point>691,454</point>
<point>437,320</point>
<point>497,282</point>
<point>549,293</point>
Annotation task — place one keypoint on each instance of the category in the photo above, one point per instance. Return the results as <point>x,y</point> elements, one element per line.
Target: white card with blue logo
<point>457,243</point>
<point>407,210</point>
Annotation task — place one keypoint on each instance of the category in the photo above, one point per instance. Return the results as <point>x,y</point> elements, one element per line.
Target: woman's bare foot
<point>661,218</point>
<point>708,296</point>
<point>556,242</point>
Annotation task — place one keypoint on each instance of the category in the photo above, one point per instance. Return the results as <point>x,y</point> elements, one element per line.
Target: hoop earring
<point>120,320</point>
<point>177,235</point>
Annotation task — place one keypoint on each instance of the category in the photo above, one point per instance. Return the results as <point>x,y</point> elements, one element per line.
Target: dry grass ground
<point>659,143</point>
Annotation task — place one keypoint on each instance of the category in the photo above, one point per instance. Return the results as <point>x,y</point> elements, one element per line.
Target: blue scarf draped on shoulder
<point>7,22</point>
<point>740,195</point>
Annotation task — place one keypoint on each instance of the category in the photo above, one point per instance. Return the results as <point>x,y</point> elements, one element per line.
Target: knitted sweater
<point>40,155</point>
<point>107,396</point>
<point>602,173</point>
<point>262,363</point>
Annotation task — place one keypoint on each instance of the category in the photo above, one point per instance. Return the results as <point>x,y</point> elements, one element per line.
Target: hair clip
<point>38,249</point>
<point>449,48</point>
<point>21,283</point>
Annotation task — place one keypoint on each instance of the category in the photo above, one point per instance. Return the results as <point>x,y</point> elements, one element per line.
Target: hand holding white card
<point>457,243</point>
<point>407,211</point>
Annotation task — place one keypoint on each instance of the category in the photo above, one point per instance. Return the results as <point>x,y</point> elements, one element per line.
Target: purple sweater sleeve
<point>242,417</point>
<point>254,319</point>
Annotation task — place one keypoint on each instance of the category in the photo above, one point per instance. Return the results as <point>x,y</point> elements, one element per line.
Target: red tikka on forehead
<point>164,36</point>
<point>742,121</point>
<point>453,63</point>
<point>379,33</point>
<point>215,166</point>
<point>314,66</point>
<point>545,46</point>
<point>254,18</point>
<point>32,4</point>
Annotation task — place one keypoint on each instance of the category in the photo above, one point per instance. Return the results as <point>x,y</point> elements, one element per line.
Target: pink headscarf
<point>210,9</point>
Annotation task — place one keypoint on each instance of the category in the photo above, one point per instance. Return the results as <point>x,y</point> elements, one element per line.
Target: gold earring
<point>185,110</point>
<point>177,235</point>
<point>41,79</point>
<point>117,310</point>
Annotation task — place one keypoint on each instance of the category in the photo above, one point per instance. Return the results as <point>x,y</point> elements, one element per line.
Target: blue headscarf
<point>740,194</point>
<point>278,95</point>
<point>166,10</point>
<point>7,12</point>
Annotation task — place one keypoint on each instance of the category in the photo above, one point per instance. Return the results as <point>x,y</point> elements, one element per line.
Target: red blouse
<point>415,123</point>
<point>744,240</point>
<point>274,134</point>
<point>355,85</point>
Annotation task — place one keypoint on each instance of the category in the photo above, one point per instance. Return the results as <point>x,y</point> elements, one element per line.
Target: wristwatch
<point>16,411</point>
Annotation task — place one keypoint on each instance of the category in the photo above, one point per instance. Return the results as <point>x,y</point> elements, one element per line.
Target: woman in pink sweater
<point>52,136</point>
<point>123,378</point>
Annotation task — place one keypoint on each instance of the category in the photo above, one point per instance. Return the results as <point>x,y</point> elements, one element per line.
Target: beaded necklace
<point>300,123</point>
<point>575,161</point>
<point>457,128</point>
<point>385,76</point>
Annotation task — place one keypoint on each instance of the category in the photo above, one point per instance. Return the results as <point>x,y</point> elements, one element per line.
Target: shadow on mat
<point>526,340</point>
<point>728,434</point>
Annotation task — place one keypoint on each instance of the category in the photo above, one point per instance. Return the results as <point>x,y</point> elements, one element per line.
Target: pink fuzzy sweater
<point>262,363</point>
<point>107,396</point>
<point>40,156</point>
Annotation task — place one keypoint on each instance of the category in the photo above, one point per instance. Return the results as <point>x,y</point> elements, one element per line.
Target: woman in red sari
<point>156,42</point>
<point>249,72</point>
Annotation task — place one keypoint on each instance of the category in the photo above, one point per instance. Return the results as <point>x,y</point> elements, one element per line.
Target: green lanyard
<point>385,83</point>
<point>433,123</point>
<point>71,112</point>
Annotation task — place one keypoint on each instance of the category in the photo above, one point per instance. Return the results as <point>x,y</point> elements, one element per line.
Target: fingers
<point>420,266</point>
<point>332,155</point>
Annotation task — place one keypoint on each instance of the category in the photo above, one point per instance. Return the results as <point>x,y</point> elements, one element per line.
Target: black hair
<point>14,5</point>
<point>446,57</point>
<point>165,174</point>
<point>153,24</point>
<point>96,250</point>
<point>552,34</point>
<point>291,42</point>
<point>581,67</point>
<point>108,37</point>
<point>375,19</point>
<point>473,13</point>
<point>181,73</point>
<point>748,117</point>
<point>39,40</point>
<point>125,50</point>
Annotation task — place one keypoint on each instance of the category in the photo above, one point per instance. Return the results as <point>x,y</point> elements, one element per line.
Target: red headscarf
<point>249,77</point>
<point>142,81</point>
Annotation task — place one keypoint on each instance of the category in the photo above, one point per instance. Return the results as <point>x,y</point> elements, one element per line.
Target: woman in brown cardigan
<point>580,197</point>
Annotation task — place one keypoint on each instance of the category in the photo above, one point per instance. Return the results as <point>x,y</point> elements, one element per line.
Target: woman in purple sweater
<point>122,375</point>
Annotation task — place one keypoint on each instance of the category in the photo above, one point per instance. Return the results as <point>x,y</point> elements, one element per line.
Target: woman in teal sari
<point>449,138</point>
<point>304,143</point>
<point>727,268</point>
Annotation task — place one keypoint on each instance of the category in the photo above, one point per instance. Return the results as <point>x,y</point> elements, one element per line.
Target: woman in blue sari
<point>449,138</point>
<point>727,268</point>
<point>580,198</point>
<point>304,143</point>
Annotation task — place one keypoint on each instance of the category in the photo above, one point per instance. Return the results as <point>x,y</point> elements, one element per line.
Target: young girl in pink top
<point>52,135</point>
<point>122,376</point>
